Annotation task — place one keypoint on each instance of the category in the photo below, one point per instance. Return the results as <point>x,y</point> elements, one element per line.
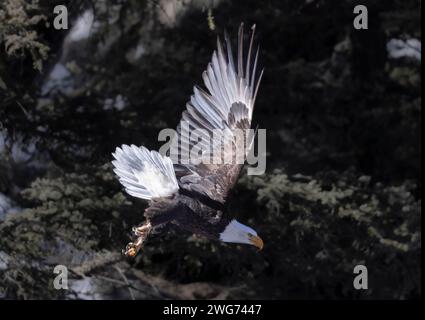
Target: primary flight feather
<point>193,195</point>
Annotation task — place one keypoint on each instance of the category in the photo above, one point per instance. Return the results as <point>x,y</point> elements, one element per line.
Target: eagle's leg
<point>142,230</point>
<point>141,233</point>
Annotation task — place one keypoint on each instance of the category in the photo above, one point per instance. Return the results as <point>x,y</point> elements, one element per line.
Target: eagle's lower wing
<point>223,114</point>
<point>145,174</point>
<point>148,175</point>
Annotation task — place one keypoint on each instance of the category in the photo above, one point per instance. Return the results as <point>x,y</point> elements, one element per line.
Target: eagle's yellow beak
<point>256,241</point>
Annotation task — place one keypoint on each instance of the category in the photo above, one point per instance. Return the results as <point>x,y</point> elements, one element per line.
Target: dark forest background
<point>342,109</point>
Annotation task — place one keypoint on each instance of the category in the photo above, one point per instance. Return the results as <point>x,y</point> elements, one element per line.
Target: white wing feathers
<point>228,86</point>
<point>228,104</point>
<point>144,174</point>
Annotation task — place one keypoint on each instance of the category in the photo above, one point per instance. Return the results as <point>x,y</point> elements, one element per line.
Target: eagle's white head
<point>237,232</point>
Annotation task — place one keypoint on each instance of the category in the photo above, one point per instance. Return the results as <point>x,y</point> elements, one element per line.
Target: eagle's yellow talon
<point>133,247</point>
<point>131,250</point>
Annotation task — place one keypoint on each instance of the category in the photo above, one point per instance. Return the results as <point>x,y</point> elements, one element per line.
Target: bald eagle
<point>193,195</point>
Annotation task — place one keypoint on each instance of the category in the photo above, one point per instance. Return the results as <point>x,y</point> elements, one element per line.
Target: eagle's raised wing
<point>223,114</point>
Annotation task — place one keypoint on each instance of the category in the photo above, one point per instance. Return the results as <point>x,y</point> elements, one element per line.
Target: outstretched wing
<point>219,118</point>
<point>148,175</point>
<point>145,174</point>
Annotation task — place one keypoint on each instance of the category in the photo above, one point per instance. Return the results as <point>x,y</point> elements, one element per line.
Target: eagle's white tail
<point>144,174</point>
